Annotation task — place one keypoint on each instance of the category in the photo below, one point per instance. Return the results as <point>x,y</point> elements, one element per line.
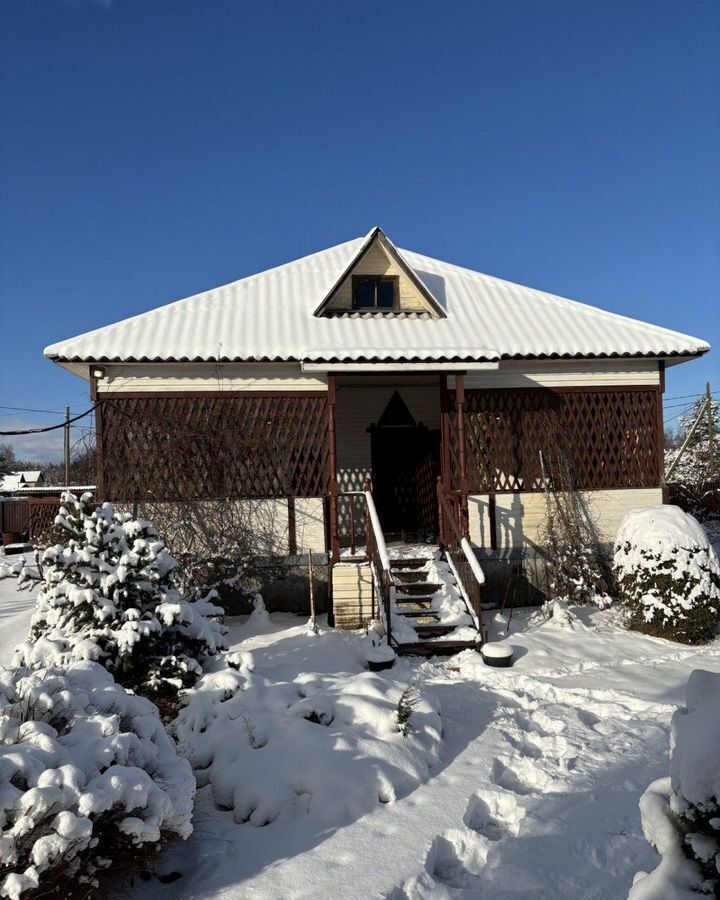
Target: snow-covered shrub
<point>681,814</point>
<point>88,776</point>
<point>108,595</point>
<point>327,746</point>
<point>668,575</point>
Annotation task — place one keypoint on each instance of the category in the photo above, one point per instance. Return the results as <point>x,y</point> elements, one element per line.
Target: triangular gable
<point>379,256</point>
<point>396,414</point>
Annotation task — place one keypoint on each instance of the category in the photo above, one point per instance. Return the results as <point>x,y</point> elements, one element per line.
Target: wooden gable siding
<point>377,262</point>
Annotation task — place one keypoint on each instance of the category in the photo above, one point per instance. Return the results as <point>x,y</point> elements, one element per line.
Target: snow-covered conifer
<point>108,595</point>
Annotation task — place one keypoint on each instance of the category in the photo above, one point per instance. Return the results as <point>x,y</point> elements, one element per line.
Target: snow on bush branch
<point>322,747</point>
<point>88,776</point>
<point>668,574</point>
<point>108,595</point>
<point>681,814</point>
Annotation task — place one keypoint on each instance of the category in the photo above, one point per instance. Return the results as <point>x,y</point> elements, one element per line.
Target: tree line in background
<point>81,469</point>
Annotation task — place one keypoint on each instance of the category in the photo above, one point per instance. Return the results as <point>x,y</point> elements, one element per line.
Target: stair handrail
<point>379,560</point>
<point>472,580</point>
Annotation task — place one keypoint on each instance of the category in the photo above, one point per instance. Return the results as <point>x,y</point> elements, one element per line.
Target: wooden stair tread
<point>436,648</point>
<point>417,605</point>
<point>435,628</point>
<point>413,576</point>
<point>418,589</point>
<point>419,615</point>
<point>411,563</point>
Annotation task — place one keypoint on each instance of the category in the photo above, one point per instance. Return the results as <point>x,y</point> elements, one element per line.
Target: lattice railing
<point>185,448</point>
<point>608,437</point>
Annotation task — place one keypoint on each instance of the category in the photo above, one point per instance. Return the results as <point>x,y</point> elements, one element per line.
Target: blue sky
<point>152,149</point>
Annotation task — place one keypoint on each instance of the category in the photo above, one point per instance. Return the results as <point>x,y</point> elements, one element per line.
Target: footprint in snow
<point>520,775</point>
<point>538,723</point>
<point>494,815</point>
<point>456,858</point>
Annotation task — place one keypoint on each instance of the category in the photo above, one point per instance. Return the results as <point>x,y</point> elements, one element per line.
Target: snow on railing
<point>380,562</point>
<point>377,531</point>
<point>473,560</point>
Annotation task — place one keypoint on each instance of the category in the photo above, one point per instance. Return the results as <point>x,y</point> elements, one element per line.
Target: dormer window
<point>374,292</point>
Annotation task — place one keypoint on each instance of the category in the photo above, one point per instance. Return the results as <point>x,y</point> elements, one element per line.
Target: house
<point>370,388</point>
<point>16,481</point>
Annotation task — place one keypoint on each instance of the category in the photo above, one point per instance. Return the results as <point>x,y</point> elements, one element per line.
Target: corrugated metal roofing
<point>269,316</point>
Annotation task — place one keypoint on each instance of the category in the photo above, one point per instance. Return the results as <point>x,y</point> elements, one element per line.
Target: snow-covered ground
<point>534,794</point>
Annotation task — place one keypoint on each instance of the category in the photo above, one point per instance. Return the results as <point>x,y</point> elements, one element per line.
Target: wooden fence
<point>29,519</point>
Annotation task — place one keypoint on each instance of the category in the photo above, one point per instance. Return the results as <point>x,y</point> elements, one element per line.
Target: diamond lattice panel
<point>176,448</point>
<point>593,439</point>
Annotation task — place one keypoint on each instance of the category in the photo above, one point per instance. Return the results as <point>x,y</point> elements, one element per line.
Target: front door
<point>405,465</point>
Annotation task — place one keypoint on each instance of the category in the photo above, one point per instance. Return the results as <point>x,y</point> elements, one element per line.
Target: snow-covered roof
<point>16,480</point>
<point>271,317</point>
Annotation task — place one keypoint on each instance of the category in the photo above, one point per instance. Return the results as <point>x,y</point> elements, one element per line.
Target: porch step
<point>415,588</point>
<point>404,606</point>
<point>410,577</point>
<point>432,629</point>
<point>418,589</point>
<point>437,648</point>
<point>408,563</point>
<point>421,616</point>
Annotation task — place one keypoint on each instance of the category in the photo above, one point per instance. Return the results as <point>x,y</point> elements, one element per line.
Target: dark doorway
<point>405,465</point>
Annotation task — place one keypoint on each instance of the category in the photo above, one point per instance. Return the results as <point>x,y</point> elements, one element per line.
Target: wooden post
<point>711,427</point>
<point>661,430</point>
<point>292,527</point>
<point>311,576</point>
<point>460,412</point>
<point>445,457</point>
<point>441,514</point>
<point>98,439</point>
<point>492,520</point>
<point>334,536</point>
<point>67,446</point>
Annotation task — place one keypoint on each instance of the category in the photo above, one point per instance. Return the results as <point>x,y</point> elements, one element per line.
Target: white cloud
<point>44,447</point>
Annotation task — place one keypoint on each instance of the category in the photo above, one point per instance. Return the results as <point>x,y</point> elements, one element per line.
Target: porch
<point>456,459</point>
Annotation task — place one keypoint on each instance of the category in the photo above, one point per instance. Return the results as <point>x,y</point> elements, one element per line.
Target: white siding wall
<point>566,373</point>
<point>203,377</point>
<point>520,516</point>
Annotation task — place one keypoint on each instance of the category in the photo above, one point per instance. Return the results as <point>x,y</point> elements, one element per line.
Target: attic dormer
<point>378,281</point>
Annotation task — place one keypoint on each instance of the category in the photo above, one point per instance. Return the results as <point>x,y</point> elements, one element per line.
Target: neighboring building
<point>16,481</point>
<point>364,361</point>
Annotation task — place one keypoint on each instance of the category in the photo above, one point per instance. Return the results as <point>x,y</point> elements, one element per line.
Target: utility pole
<point>711,436</point>
<point>67,446</point>
<point>688,438</point>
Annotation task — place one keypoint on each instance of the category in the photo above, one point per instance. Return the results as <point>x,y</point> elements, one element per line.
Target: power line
<point>687,396</point>
<point>49,427</point>
<point>55,412</point>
